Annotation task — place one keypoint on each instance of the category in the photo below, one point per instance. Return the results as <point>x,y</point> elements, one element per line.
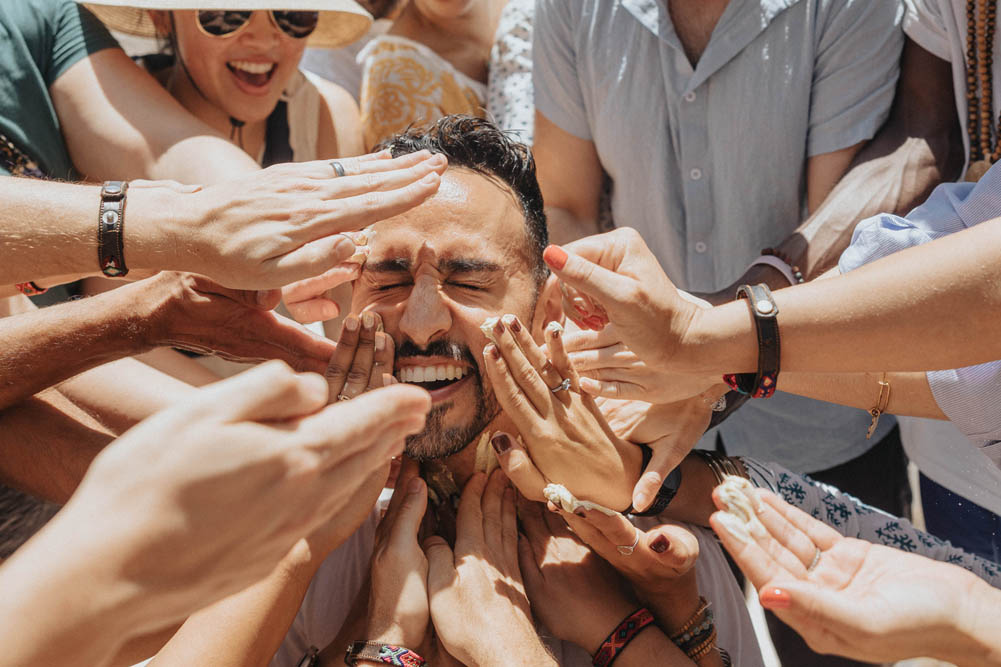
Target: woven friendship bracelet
<point>621,636</point>
<point>30,288</point>
<point>388,654</point>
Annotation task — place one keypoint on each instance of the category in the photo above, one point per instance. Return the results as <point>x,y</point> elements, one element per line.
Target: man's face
<point>434,275</point>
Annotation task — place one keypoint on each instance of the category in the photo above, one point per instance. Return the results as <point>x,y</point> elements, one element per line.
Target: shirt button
<point>701,247</point>
<point>690,96</point>
<point>696,174</point>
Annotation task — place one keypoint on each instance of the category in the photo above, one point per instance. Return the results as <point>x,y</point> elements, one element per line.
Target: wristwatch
<point>111,229</point>
<point>310,659</point>
<point>765,311</point>
<point>665,494</point>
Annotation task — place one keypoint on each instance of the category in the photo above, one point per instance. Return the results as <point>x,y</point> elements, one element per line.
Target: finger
<point>383,180</point>
<point>529,565</point>
<point>360,371</point>
<point>558,354</point>
<point>617,530</point>
<point>758,564</point>
<point>532,351</point>
<point>518,466</point>
<point>389,414</point>
<point>533,523</point>
<point>362,164</point>
<point>674,547</point>
<point>612,389</point>
<point>515,404</point>
<point>588,533</point>
<point>441,564</point>
<point>667,454</point>
<point>749,514</point>
<point>524,374</point>
<point>819,533</point>
<point>409,469</point>
<point>602,358</point>
<point>818,614</point>
<point>490,506</point>
<point>411,512</point>
<point>787,534</point>
<point>469,521</point>
<point>382,367</point>
<point>271,391</point>
<point>341,360</point>
<point>353,213</point>
<point>509,530</point>
<point>314,310</point>
<point>310,288</point>
<point>579,341</point>
<point>595,281</point>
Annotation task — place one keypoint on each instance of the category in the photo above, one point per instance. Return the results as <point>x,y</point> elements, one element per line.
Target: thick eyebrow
<point>461,265</point>
<point>394,265</point>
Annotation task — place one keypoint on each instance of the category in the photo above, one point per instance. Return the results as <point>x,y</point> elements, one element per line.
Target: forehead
<point>471,216</point>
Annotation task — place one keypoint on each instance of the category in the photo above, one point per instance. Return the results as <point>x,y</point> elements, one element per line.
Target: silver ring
<point>816,559</point>
<point>338,168</point>
<point>343,397</point>
<point>628,551</point>
<point>562,386</point>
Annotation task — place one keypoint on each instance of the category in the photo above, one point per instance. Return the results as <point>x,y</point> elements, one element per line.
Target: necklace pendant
<point>977,170</point>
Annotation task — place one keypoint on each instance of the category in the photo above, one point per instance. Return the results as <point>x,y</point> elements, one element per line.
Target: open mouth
<point>433,377</point>
<point>253,74</point>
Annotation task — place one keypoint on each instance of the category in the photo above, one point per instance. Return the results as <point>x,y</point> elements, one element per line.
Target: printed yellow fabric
<point>405,83</point>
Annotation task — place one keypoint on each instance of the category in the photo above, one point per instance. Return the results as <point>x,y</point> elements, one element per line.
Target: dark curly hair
<point>478,144</point>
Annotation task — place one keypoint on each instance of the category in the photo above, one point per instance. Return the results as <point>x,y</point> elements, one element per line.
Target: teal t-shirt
<point>39,41</point>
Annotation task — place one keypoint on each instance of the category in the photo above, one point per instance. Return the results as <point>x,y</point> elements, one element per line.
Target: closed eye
<point>392,286</point>
<point>469,286</point>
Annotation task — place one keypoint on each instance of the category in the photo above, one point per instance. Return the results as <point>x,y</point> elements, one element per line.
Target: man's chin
<point>438,441</point>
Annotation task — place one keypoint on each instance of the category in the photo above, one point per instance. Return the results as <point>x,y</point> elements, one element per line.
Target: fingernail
<point>641,499</point>
<point>595,322</point>
<point>512,322</point>
<point>660,544</point>
<point>262,298</point>
<point>437,158</point>
<point>380,342</point>
<point>431,178</point>
<point>775,598</point>
<point>499,326</point>
<point>555,256</point>
<point>581,513</point>
<point>554,328</point>
<point>501,442</point>
<point>367,320</point>
<point>414,485</point>
<point>316,386</point>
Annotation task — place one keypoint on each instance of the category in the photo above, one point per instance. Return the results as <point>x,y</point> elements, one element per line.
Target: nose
<point>425,314</point>
<point>261,30</point>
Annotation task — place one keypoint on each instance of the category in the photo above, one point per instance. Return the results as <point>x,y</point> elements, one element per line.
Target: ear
<point>548,307</point>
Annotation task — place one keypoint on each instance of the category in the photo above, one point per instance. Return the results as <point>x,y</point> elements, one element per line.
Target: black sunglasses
<point>226,23</point>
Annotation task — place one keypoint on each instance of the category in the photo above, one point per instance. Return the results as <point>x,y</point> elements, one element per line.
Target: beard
<point>437,441</point>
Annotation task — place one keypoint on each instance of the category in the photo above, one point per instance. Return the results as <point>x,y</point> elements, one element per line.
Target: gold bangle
<point>881,402</point>
<point>721,466</point>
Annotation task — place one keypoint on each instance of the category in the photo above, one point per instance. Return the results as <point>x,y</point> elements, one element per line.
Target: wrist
<point>720,340</point>
<point>159,223</point>
<point>972,626</point>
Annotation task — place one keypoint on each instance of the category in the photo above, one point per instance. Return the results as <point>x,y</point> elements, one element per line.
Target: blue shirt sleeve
<point>558,94</point>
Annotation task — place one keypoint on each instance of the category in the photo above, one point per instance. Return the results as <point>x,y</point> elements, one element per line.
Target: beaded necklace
<point>981,21</point>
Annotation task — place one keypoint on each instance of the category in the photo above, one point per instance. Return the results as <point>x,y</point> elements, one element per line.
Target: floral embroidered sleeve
<point>853,518</point>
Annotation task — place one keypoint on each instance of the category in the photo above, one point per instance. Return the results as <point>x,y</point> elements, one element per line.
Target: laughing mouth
<point>255,74</point>
<point>433,376</point>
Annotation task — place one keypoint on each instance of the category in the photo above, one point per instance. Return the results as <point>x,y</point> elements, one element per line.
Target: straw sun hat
<point>341,21</point>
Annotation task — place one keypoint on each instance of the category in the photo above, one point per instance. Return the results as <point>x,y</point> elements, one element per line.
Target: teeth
<point>415,374</point>
<point>253,68</point>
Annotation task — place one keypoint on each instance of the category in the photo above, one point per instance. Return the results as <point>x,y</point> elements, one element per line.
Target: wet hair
<point>479,145</point>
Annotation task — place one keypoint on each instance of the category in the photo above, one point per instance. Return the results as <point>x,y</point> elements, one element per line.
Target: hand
<point>193,313</point>
<point>204,499</point>
<point>608,368</point>
<point>478,601</point>
<point>363,359</point>
<point>307,300</point>
<point>671,431</point>
<point>861,600</point>
<point>279,225</point>
<point>566,437</point>
<point>620,275</point>
<point>398,605</point>
<point>573,592</point>
<point>660,568</point>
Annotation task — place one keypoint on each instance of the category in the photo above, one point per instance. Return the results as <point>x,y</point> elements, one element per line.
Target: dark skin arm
<point>917,148</point>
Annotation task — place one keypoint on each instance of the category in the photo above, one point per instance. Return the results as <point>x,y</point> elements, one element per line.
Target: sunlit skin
<point>438,271</point>
<point>224,90</point>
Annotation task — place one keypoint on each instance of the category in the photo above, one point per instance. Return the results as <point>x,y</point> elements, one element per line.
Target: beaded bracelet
<point>620,637</point>
<point>697,637</point>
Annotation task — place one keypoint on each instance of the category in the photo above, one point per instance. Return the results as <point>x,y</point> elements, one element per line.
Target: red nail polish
<point>775,598</point>
<point>501,442</point>
<point>499,327</point>
<point>515,325</point>
<point>555,256</point>
<point>495,352</point>
<point>660,544</point>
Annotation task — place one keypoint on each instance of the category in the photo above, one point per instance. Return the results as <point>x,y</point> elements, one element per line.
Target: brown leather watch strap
<point>111,229</point>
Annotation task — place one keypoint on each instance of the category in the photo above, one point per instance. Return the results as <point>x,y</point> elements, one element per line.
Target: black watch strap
<point>111,229</point>
<point>765,311</point>
<point>665,494</point>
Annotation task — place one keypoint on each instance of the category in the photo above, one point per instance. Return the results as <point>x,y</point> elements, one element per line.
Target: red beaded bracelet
<point>626,631</point>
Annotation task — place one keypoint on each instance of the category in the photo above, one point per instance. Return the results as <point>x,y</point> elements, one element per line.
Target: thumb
<point>676,548</point>
<point>410,514</point>
<point>596,281</point>
<point>256,299</point>
<point>441,564</point>
<point>518,466</point>
<point>668,453</point>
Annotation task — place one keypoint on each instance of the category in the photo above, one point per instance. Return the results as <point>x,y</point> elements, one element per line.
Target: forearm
<point>856,322</point>
<point>47,346</point>
<point>244,629</point>
<point>47,445</point>
<point>910,394</point>
<point>976,639</point>
<point>565,227</point>
<point>122,393</point>
<point>652,647</point>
